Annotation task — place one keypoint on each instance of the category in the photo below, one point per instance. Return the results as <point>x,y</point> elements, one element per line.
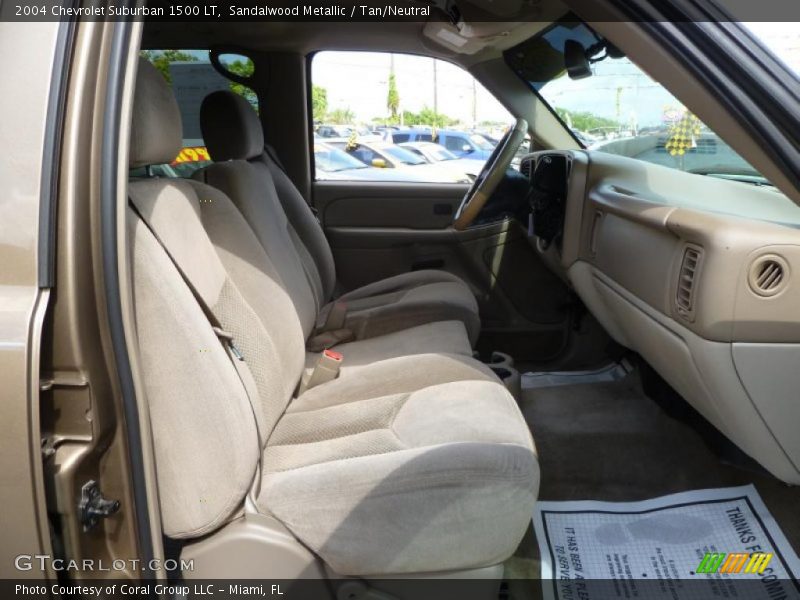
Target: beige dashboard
<point>700,276</point>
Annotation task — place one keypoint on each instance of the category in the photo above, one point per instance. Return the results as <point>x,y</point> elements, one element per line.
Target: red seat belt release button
<point>326,369</point>
<point>333,355</point>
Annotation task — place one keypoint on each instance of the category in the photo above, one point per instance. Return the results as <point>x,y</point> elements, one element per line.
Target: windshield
<point>481,142</point>
<point>404,156</point>
<point>333,159</point>
<point>619,109</point>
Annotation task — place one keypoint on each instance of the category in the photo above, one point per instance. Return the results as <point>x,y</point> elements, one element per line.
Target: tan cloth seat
<point>421,463</point>
<point>378,485</point>
<point>233,135</point>
<point>443,337</point>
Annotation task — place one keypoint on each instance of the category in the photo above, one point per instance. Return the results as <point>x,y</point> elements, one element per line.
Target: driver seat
<point>232,132</point>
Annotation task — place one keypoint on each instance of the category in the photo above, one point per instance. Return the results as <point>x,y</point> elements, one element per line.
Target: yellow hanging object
<point>683,135</point>
<point>352,140</point>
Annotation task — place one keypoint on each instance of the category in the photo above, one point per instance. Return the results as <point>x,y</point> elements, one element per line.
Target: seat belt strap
<point>226,339</point>
<point>329,339</point>
<point>273,156</point>
<point>335,317</point>
<point>333,331</point>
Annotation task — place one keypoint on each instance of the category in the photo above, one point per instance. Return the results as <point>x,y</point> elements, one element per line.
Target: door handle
<point>434,263</point>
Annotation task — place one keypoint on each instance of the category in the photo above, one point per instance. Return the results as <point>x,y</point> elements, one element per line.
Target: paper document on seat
<point>657,548</point>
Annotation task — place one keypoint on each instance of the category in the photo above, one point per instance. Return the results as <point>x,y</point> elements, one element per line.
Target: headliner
<point>487,39</point>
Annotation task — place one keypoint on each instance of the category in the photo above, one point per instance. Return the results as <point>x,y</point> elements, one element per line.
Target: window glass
<point>783,39</point>
<point>481,142</point>
<point>415,150</point>
<point>455,144</point>
<point>621,110</point>
<point>438,153</point>
<point>403,156</point>
<point>400,98</point>
<point>364,154</point>
<point>192,78</point>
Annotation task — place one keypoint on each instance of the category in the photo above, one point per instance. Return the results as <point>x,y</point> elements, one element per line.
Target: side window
<point>400,99</point>
<point>192,77</point>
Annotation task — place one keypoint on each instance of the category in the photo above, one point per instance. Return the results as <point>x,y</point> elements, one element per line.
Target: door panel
<point>373,204</point>
<point>377,230</point>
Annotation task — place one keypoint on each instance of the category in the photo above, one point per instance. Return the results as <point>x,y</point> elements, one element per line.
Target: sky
<point>359,81</point>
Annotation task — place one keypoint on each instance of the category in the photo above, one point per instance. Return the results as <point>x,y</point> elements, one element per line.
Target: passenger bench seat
<point>421,464</point>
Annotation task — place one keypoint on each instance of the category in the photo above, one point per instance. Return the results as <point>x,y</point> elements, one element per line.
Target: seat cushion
<point>408,300</point>
<point>394,376</point>
<point>445,337</point>
<point>419,477</point>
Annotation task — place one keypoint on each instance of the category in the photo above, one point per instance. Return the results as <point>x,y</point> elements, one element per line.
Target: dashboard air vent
<point>687,279</point>
<point>768,275</point>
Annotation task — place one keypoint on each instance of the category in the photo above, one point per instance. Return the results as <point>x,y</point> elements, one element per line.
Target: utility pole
<point>391,72</point>
<point>435,97</point>
<point>474,104</point>
<point>400,101</point>
<point>392,96</point>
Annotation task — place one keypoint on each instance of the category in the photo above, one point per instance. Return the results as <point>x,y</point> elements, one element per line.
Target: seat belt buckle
<point>327,369</point>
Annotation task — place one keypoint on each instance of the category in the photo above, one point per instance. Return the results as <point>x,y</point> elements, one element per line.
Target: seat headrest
<point>230,127</point>
<point>156,129</point>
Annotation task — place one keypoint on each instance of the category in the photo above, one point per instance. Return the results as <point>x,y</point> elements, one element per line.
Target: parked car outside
<point>334,164</point>
<point>436,154</point>
<point>460,143</point>
<point>385,155</point>
<point>363,132</point>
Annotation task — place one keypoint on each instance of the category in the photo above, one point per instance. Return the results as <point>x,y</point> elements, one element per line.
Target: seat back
<point>204,428</point>
<point>232,132</point>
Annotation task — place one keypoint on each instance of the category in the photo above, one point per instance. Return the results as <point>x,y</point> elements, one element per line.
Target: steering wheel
<point>490,176</point>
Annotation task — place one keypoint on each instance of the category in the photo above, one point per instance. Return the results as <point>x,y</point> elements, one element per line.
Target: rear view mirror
<point>379,163</point>
<point>466,148</point>
<point>613,51</point>
<point>576,61</point>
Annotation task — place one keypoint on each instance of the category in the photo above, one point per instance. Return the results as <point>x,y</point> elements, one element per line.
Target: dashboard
<point>699,275</point>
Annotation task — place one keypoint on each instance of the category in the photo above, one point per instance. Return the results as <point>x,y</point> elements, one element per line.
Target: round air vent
<point>768,275</point>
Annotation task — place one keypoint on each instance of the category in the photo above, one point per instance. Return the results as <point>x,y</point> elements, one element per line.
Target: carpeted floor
<point>610,442</point>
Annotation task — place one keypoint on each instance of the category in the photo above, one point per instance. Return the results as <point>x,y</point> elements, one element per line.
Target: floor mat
<point>716,542</point>
<point>610,442</point>
<point>546,379</point>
